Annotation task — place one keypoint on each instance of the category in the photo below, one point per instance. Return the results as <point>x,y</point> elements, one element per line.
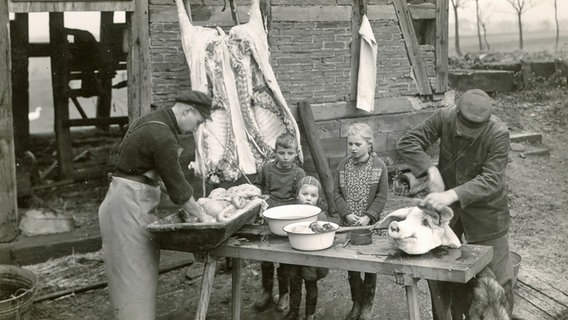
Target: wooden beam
<point>424,10</point>
<point>138,65</point>
<point>20,85</point>
<point>60,82</point>
<point>412,47</point>
<point>356,16</point>
<point>329,13</point>
<point>318,154</point>
<point>441,46</point>
<point>63,6</point>
<point>8,197</point>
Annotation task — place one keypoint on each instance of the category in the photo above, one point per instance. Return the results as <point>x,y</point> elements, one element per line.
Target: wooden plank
<point>416,60</point>
<point>20,86</point>
<point>381,256</point>
<point>62,6</point>
<point>318,155</point>
<point>8,197</point>
<point>555,291</point>
<point>422,11</point>
<point>60,85</point>
<point>356,16</point>
<point>538,300</point>
<point>328,13</point>
<point>139,74</point>
<point>441,84</point>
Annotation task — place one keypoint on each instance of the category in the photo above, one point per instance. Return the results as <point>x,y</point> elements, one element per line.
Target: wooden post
<point>8,198</point>
<point>412,47</point>
<point>20,96</point>
<point>322,167</point>
<point>441,46</point>
<point>106,71</point>
<point>356,17</point>
<point>60,87</point>
<point>138,64</point>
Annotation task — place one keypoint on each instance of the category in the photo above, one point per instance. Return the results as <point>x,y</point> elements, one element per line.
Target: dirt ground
<point>538,188</point>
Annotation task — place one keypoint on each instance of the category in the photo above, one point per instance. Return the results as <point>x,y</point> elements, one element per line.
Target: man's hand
<point>436,181</point>
<point>439,200</point>
<point>192,208</point>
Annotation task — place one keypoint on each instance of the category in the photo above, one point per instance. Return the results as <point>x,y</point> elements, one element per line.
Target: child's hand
<point>364,220</point>
<point>352,219</point>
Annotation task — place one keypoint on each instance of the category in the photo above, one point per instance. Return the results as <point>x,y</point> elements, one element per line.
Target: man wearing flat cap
<point>148,159</point>
<point>469,178</point>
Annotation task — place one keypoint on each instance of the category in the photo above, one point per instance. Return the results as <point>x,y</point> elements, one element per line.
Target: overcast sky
<point>500,12</point>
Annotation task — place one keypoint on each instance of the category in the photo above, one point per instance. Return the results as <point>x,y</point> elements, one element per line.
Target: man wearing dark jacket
<point>469,178</point>
<point>148,156</point>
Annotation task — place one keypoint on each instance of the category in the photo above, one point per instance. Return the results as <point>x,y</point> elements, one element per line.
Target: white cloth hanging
<point>367,75</point>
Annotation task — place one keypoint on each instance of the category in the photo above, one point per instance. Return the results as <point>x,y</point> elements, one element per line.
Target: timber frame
<point>139,85</point>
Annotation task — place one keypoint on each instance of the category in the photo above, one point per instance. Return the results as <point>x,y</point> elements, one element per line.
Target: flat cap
<point>474,108</point>
<point>199,100</point>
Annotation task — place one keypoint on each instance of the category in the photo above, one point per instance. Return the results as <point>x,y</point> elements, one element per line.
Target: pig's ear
<point>397,215</point>
<point>449,238</point>
<point>446,214</point>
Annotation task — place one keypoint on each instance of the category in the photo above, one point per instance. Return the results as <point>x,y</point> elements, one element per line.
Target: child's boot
<point>295,299</point>
<point>283,289</point>
<point>311,299</point>
<point>356,285</point>
<point>265,298</point>
<point>368,297</point>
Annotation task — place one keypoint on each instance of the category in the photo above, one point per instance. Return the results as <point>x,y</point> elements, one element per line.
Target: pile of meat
<point>225,204</point>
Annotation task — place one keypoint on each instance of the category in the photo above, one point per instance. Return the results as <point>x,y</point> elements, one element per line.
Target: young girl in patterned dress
<point>360,193</point>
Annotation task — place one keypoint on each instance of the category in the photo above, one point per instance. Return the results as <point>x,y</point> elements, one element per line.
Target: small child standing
<point>309,190</point>
<point>278,179</point>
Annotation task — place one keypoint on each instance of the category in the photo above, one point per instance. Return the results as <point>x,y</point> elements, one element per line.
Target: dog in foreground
<point>486,297</point>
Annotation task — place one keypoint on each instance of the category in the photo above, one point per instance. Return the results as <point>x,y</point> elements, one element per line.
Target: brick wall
<point>310,55</point>
<point>311,59</point>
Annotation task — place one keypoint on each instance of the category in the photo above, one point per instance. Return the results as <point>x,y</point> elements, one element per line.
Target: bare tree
<point>556,20</point>
<point>484,18</point>
<point>478,24</point>
<point>456,4</point>
<point>521,6</point>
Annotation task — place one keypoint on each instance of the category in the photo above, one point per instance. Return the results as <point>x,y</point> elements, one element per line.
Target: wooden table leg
<point>412,298</point>
<point>236,288</point>
<point>206,286</point>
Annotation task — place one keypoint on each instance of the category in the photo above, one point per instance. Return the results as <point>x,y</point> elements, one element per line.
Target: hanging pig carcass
<point>249,110</point>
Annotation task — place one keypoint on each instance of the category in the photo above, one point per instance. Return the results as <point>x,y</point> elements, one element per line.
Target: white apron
<point>130,255</point>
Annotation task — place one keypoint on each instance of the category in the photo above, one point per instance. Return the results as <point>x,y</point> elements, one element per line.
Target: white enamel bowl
<point>301,237</point>
<point>278,217</point>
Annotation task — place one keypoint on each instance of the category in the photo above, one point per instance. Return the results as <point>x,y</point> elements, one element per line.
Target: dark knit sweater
<point>155,146</point>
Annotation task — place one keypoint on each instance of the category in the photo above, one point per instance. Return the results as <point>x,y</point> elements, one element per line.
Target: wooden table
<point>381,257</point>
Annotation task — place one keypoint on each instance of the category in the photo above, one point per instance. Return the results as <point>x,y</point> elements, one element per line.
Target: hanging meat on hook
<point>249,110</point>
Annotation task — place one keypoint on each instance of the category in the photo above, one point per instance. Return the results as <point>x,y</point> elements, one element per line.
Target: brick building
<point>311,55</point>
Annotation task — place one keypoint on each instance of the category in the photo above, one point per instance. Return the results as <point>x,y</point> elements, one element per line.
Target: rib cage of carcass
<point>249,110</point>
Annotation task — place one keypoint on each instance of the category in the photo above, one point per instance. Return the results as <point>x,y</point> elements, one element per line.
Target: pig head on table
<point>417,230</point>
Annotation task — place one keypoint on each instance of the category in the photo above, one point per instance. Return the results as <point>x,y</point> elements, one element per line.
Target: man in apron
<point>149,152</point>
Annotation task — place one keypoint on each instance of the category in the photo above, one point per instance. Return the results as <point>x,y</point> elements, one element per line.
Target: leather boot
<point>295,299</point>
<point>368,296</point>
<point>283,288</point>
<point>356,285</point>
<point>265,298</point>
<point>311,298</point>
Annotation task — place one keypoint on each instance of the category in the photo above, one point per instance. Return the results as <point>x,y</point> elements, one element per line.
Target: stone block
<point>487,80</point>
